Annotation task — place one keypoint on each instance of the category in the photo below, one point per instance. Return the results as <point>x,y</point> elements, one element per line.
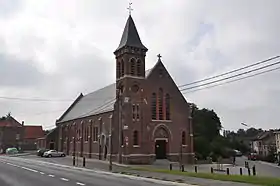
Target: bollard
<point>84,161</point>
<point>240,171</point>
<point>182,168</point>
<point>254,170</point>
<point>249,172</point>
<point>195,169</point>
<point>212,170</point>
<point>227,171</point>
<point>170,166</point>
<point>73,160</point>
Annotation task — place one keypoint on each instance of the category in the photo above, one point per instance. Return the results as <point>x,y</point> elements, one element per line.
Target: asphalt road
<point>22,172</point>
<point>262,168</point>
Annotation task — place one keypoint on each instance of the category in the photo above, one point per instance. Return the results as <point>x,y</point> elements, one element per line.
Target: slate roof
<point>99,101</point>
<point>130,36</point>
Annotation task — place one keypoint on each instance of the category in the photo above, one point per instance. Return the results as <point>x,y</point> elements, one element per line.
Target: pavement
<point>17,171</point>
<point>62,170</point>
<point>262,168</point>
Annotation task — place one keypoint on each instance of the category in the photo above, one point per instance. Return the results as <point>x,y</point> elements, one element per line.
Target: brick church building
<point>140,118</point>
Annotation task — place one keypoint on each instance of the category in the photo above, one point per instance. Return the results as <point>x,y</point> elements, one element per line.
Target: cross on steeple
<point>159,56</point>
<point>129,8</point>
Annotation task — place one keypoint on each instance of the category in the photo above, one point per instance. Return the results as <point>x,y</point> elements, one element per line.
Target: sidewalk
<point>96,164</point>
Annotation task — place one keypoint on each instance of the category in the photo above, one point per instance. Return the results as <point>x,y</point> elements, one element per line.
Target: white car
<point>53,153</point>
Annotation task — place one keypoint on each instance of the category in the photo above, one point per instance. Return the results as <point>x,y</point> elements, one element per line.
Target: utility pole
<point>119,124</point>
<point>99,138</point>
<point>111,144</point>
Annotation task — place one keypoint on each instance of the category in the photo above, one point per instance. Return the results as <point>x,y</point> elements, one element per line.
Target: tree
<point>207,128</point>
<point>206,123</point>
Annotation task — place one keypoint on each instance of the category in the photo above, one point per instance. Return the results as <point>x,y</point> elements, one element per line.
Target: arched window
<point>167,107</point>
<point>135,138</point>
<point>122,68</point>
<point>118,69</point>
<point>183,138</point>
<point>154,106</point>
<point>139,67</point>
<point>160,104</point>
<point>132,66</point>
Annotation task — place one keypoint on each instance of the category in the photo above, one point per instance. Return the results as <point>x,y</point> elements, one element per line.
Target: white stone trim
<point>184,153</point>
<point>155,120</point>
<point>165,139</point>
<point>135,155</point>
<point>164,126</point>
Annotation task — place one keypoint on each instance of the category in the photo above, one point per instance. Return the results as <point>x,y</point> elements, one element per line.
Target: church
<point>140,118</point>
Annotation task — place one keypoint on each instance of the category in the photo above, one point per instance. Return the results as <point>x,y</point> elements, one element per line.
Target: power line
<point>238,79</point>
<point>233,76</point>
<point>98,109</point>
<point>33,99</point>
<point>230,72</point>
<point>41,99</point>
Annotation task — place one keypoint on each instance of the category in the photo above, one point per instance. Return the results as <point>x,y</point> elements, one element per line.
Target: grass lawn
<point>257,180</point>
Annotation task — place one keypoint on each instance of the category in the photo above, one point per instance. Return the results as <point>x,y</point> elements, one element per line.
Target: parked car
<point>53,153</point>
<point>252,156</point>
<point>41,152</point>
<point>237,153</point>
<point>11,151</point>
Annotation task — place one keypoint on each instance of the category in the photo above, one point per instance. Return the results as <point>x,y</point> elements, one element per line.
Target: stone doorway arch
<point>161,136</point>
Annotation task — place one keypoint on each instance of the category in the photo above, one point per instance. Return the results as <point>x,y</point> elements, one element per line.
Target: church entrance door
<point>160,149</point>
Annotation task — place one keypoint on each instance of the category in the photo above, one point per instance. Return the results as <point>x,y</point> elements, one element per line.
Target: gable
<point>9,122</point>
<point>161,76</point>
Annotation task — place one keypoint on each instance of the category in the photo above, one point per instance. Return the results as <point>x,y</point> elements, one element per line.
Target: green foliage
<point>207,138</point>
<point>256,180</point>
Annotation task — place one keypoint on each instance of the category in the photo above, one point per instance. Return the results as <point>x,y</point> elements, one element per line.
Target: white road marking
<point>42,173</point>
<point>13,165</point>
<point>29,169</point>
<point>50,175</point>
<point>64,179</point>
<point>78,183</point>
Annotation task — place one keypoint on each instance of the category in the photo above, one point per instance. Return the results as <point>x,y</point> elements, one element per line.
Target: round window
<point>135,88</point>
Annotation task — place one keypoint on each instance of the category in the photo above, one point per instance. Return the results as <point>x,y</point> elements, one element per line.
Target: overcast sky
<point>56,49</point>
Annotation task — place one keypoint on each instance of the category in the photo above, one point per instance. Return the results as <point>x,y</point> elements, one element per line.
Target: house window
<point>133,112</point>
<point>135,138</point>
<point>95,134</point>
<point>122,68</point>
<point>138,67</point>
<point>118,69</point>
<point>137,112</point>
<point>183,138</point>
<point>167,107</point>
<point>160,104</point>
<point>132,67</point>
<point>154,106</point>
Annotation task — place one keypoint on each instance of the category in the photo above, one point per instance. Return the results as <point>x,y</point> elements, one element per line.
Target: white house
<point>277,140</point>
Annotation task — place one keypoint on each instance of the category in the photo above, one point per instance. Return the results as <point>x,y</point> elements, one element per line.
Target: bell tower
<point>130,54</point>
<point>130,77</point>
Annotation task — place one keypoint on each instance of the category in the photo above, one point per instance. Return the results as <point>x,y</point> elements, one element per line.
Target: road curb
<point>152,180</point>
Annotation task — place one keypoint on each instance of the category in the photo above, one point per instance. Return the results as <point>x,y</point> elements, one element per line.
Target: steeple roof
<point>130,36</point>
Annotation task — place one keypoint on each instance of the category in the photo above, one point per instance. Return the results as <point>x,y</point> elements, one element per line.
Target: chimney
<point>22,123</point>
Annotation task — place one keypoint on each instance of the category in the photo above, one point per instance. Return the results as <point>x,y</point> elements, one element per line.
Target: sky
<point>57,49</point>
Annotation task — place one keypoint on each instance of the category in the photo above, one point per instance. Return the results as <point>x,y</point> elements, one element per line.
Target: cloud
<point>61,51</point>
